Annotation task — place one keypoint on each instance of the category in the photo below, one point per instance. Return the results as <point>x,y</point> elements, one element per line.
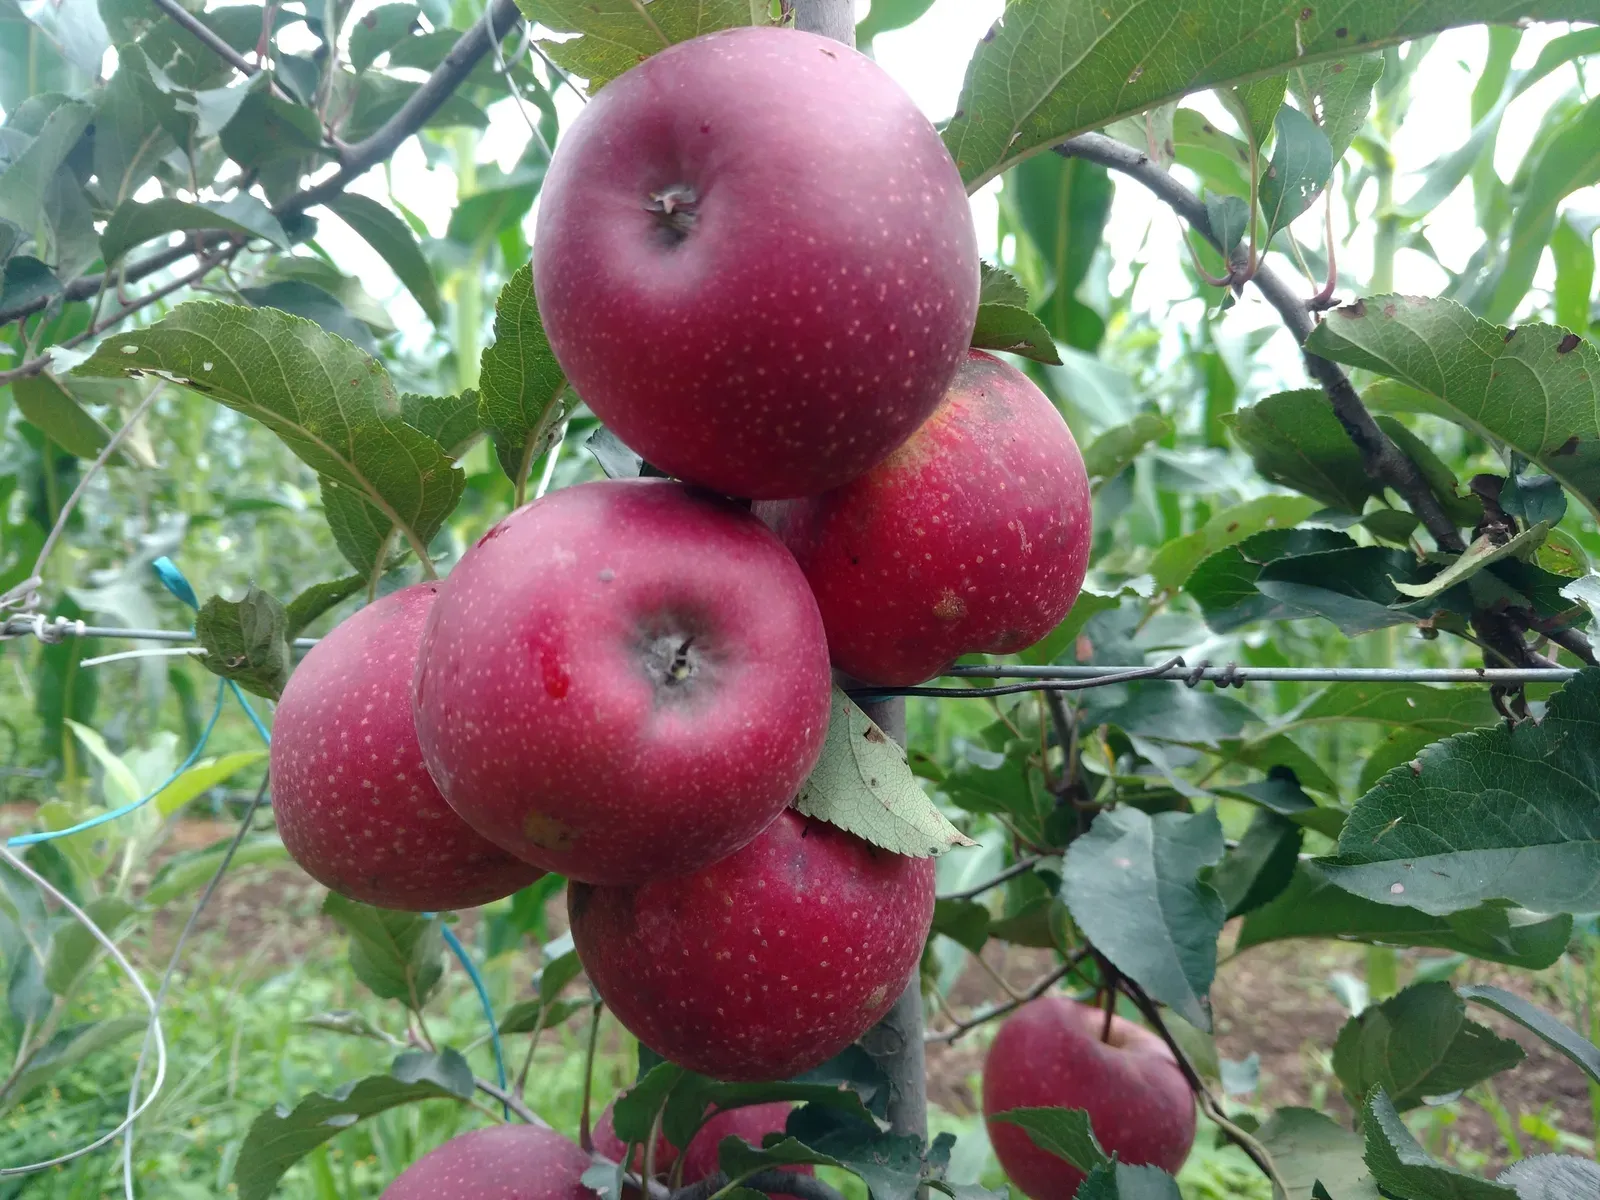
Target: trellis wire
<point>1042,678</point>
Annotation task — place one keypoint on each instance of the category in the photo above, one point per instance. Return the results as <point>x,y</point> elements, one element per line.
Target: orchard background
<point>1420,493</point>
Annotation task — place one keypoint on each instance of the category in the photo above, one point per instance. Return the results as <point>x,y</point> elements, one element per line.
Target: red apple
<point>767,963</point>
<point>972,536</point>
<point>1048,1054</point>
<point>354,802</point>
<point>505,1162</point>
<point>755,261</point>
<point>751,1124</point>
<point>623,680</point>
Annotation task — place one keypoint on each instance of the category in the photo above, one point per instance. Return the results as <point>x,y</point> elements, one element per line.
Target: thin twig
<point>35,365</point>
<point>209,39</point>
<point>783,1183</point>
<point>1020,867</point>
<point>585,1132</point>
<point>1382,459</point>
<point>1238,1136</point>
<point>1038,988</point>
<point>511,1100</point>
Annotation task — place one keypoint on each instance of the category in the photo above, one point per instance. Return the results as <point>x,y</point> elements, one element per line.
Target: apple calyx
<point>676,210</point>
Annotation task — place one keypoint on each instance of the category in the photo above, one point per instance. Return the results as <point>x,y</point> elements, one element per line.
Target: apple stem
<point>1111,977</point>
<point>585,1133</point>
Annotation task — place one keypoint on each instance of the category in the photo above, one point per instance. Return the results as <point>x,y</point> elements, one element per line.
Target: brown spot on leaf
<point>1358,309</point>
<point>1232,525</point>
<point>1305,13</point>
<point>1341,32</point>
<point>1570,446</point>
<point>873,734</point>
<point>1568,344</point>
<point>1338,68</point>
<point>1511,333</point>
<point>1388,310</point>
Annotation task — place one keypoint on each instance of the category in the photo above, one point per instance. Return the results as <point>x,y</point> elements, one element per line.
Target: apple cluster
<point>627,682</point>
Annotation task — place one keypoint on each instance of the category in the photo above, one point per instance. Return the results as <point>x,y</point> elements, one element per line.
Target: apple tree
<point>880,624</point>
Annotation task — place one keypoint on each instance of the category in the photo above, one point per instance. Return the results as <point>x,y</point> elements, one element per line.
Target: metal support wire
<point>1042,678</point>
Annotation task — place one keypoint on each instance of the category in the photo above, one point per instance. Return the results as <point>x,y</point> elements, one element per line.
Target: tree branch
<point>1382,459</point>
<point>357,159</point>
<point>208,38</point>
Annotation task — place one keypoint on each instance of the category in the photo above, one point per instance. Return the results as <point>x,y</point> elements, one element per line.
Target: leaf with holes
<point>246,640</point>
<point>1337,93</point>
<point>1302,164</point>
<point>281,1137</point>
<point>1418,1045</point>
<point>618,34</point>
<point>1132,885</point>
<point>1535,389</point>
<point>522,391</point>
<point>862,784</point>
<point>1495,814</point>
<point>335,407</point>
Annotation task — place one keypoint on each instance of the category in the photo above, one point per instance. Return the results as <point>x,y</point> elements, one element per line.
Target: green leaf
<point>1315,907</point>
<point>246,641</point>
<point>316,600</point>
<point>363,535</point>
<point>1483,551</point>
<point>1579,1049</point>
<point>1110,454</point>
<point>887,15</point>
<point>1568,161</point>
<point>1574,258</point>
<point>1256,104</point>
<point>314,303</point>
<point>1446,172</point>
<point>1534,389</point>
<point>1552,1177</point>
<point>331,404</point>
<point>281,1137</point>
<point>996,285</point>
<point>1120,1181</point>
<point>120,784</point>
<point>1051,68</point>
<point>202,777</point>
<point>1159,710</point>
<point>1356,589</point>
<point>1224,585</point>
<point>618,34</point>
<point>891,1165</point>
<point>1463,510</point>
<point>1132,886</point>
<point>1495,814</point>
<point>1534,498</point>
<point>1295,440</point>
<point>1015,331</point>
<point>1302,164</point>
<point>66,1049</point>
<point>862,784</point>
<point>26,281</point>
<point>1309,1148</point>
<point>25,184</point>
<point>615,459</point>
<point>1229,218</point>
<point>1280,793</point>
<point>1176,561</point>
<point>397,955</point>
<point>522,392</point>
<point>134,223</point>
<point>452,421</point>
<point>1417,1045</point>
<point>184,874</point>
<point>73,947</point>
<point>1058,208</point>
<point>392,238</point>
<point>963,921</point>
<point>530,1016</point>
<point>1064,1132</point>
<point>740,1159</point>
<point>695,1099</point>
<point>1337,93</point>
<point>1403,1168</point>
<point>45,402</point>
<point>378,30</point>
<point>1261,866</point>
<point>266,131</point>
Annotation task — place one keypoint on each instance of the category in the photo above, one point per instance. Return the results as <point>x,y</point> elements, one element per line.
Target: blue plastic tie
<point>175,582</point>
<point>460,951</point>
